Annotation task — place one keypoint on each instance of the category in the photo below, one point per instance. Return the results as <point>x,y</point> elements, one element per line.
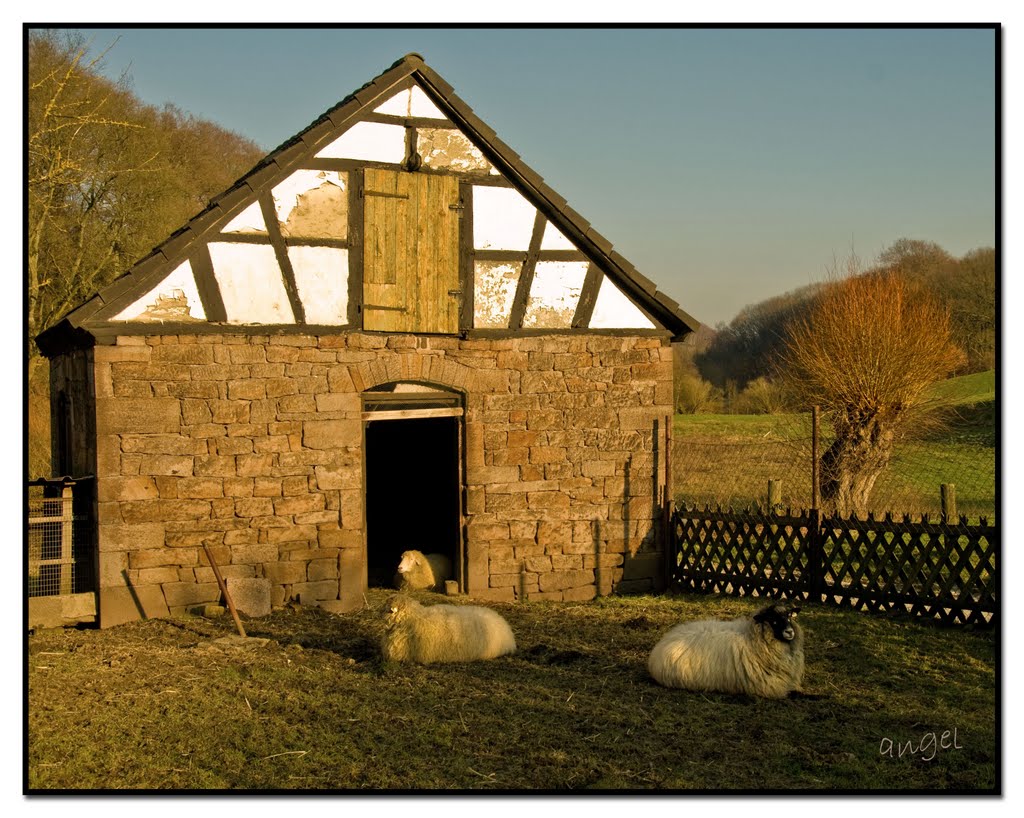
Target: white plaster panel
<point>502,219</point>
<point>398,105</point>
<point>370,141</point>
<point>554,294</point>
<point>249,220</point>
<point>176,298</point>
<point>614,310</point>
<point>554,239</point>
<point>494,290</point>
<point>411,102</point>
<point>286,194</point>
<point>321,275</point>
<point>250,283</point>
<point>421,105</point>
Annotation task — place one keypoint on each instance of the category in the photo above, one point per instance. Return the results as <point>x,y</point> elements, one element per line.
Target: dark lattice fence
<point>944,570</point>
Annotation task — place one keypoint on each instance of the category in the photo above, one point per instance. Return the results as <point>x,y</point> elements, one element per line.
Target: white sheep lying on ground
<point>418,571</point>
<point>443,633</point>
<point>761,655</point>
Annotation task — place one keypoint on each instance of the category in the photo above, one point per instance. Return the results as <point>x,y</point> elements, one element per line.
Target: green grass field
<point>729,459</point>
<point>162,705</point>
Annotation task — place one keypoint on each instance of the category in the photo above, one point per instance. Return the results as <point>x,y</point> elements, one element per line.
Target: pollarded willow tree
<point>866,352</point>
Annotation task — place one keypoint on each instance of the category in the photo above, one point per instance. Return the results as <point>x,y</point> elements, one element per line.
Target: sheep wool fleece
<point>740,656</point>
<point>443,633</point>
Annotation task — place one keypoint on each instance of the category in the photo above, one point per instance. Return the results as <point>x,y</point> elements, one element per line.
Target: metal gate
<point>60,552</point>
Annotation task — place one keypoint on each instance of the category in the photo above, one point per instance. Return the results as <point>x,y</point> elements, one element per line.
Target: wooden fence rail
<point>944,570</point>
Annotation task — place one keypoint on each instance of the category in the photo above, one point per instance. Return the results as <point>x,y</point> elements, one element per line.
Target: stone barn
<point>390,334</point>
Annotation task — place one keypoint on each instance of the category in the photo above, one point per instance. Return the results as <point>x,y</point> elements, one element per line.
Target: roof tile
<point>603,244</point>
<point>313,136</point>
<point>576,219</point>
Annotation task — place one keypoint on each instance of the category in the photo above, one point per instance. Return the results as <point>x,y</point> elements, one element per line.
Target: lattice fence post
<point>815,556</point>
<point>774,496</point>
<point>815,533</point>
<point>947,493</point>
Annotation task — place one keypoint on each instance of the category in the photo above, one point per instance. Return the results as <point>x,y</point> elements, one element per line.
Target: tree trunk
<point>849,467</point>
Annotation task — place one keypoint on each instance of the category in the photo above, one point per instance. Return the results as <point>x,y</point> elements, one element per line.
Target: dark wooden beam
<point>290,241</point>
<point>538,331</point>
<point>281,251</point>
<point>206,283</point>
<point>355,256</point>
<point>520,255</point>
<point>343,165</point>
<point>106,331</point>
<point>467,273</point>
<point>522,297</point>
<point>409,121</point>
<point>588,297</point>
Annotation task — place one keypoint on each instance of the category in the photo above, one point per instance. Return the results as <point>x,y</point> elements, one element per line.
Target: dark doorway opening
<point>412,493</point>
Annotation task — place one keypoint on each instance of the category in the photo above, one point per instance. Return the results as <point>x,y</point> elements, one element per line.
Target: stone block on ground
<point>129,604</point>
<point>251,596</point>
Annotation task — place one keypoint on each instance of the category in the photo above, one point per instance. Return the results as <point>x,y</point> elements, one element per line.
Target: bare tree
<point>866,351</point>
<point>107,179</point>
<point>108,176</point>
<point>74,136</point>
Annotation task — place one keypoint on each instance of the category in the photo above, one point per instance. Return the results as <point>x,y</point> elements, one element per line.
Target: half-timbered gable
<point>396,211</point>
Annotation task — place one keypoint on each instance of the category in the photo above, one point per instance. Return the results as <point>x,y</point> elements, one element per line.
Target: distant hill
<point>745,348</point>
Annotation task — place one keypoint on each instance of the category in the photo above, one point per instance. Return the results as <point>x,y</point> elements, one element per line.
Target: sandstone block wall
<point>252,445</point>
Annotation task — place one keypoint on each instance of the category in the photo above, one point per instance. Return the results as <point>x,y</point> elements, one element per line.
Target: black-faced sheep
<point>443,633</point>
<point>418,571</point>
<point>762,655</point>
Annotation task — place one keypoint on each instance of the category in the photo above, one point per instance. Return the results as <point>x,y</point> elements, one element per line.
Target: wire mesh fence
<point>60,552</point>
<point>767,462</point>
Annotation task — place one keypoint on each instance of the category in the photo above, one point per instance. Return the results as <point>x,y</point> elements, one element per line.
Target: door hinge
<point>455,292</point>
<point>459,206</point>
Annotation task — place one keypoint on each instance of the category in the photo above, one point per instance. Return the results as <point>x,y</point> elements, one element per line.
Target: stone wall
<point>251,445</point>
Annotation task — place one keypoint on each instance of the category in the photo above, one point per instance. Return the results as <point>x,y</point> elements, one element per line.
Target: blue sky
<point>728,165</point>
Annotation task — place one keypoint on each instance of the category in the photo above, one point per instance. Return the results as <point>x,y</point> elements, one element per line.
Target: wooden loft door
<point>410,252</point>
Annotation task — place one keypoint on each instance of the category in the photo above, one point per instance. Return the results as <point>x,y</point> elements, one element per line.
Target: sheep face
<point>780,618</point>
<point>409,561</point>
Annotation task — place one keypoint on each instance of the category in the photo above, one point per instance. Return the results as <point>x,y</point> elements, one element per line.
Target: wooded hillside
<point>108,178</point>
<point>745,350</point>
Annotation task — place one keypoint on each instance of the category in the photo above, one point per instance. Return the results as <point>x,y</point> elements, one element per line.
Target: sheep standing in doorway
<point>418,571</point>
<point>443,633</point>
<point>761,655</point>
